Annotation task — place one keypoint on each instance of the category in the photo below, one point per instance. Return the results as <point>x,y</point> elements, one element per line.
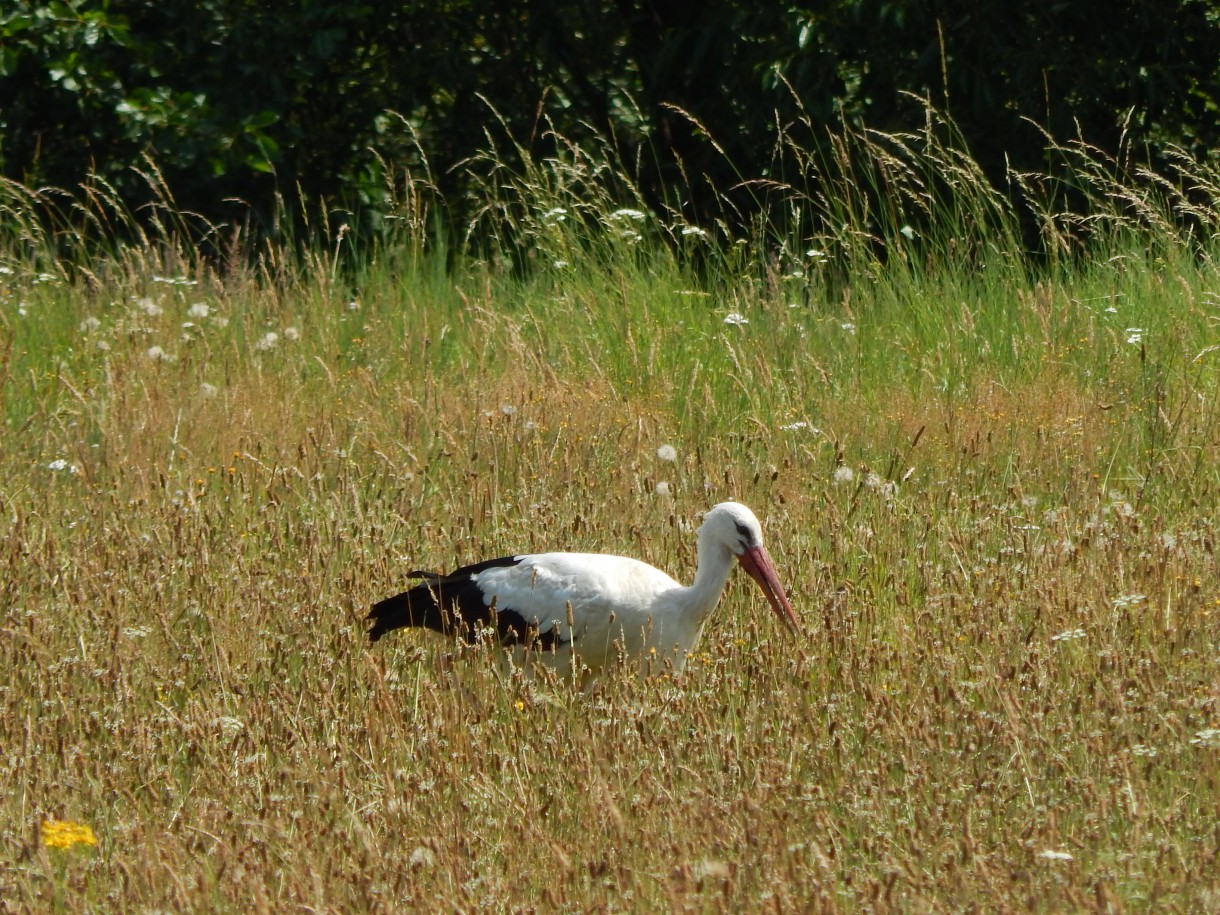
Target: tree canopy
<point>247,102</point>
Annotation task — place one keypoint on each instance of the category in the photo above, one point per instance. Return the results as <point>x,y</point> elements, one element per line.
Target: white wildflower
<point>667,453</point>
<point>1209,738</point>
<point>90,324</point>
<point>292,334</point>
<point>662,488</point>
<point>1111,310</point>
<point>198,311</point>
<point>59,464</point>
<point>508,409</point>
<point>269,341</point>
<point>694,230</point>
<point>1127,600</point>
<point>555,214</point>
<point>1068,635</point>
<point>796,426</point>
<point>848,328</point>
<point>1135,335</point>
<point>1052,855</point>
<point>148,306</point>
<point>815,255</point>
<point>844,474</point>
<point>208,391</point>
<point>736,319</point>
<point>353,305</point>
<point>136,632</point>
<point>421,857</point>
<point>907,232</point>
<point>559,264</point>
<point>627,213</point>
<point>156,354</point>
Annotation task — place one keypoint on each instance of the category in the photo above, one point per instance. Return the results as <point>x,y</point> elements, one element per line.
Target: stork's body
<point>550,608</point>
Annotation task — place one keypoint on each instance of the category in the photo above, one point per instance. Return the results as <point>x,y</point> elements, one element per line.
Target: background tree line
<point>238,103</point>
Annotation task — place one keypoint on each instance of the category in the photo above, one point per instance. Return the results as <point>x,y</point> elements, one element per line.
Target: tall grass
<point>990,483</point>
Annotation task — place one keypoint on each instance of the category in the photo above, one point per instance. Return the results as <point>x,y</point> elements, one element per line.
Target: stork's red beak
<point>757,562</point>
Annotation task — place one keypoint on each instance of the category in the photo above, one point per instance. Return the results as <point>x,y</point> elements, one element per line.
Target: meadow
<point>990,483</point>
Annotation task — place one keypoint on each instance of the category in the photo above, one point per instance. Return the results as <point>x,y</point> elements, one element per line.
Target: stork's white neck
<point>711,575</point>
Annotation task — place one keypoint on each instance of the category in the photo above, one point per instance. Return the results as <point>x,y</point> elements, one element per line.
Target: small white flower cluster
<point>1051,855</point>
<point>1068,636</point>
<point>1209,738</point>
<point>1135,335</point>
<point>736,319</point>
<point>60,465</point>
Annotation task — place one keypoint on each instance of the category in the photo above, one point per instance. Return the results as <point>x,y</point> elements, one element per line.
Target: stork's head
<point>735,527</point>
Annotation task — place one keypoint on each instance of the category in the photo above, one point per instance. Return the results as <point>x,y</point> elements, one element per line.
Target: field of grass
<point>992,492</point>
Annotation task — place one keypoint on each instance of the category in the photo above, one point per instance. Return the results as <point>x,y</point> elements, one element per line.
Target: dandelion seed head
<point>90,324</point>
<point>208,391</point>
<point>148,306</point>
<point>292,334</point>
<point>843,474</point>
<point>269,341</point>
<point>198,311</point>
<point>156,354</point>
<point>667,453</point>
<point>662,488</point>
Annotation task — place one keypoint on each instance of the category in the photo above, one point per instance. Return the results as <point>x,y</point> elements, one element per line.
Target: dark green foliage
<point>239,104</point>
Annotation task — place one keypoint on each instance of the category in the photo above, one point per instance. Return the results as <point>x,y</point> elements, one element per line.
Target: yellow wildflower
<point>65,834</point>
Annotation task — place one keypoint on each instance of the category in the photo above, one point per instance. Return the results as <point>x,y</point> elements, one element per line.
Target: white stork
<point>549,607</point>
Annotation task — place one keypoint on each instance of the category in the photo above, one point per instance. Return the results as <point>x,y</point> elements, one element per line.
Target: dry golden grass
<point>1007,697</point>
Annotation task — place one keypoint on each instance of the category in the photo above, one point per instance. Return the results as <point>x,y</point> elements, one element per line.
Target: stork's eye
<point>747,537</point>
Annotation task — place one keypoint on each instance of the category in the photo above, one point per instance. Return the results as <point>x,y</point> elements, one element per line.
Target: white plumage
<point>552,608</point>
